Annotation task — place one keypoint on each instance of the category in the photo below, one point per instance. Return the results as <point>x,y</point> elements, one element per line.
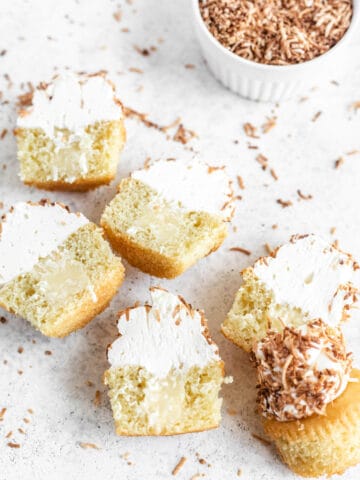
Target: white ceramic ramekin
<point>271,82</point>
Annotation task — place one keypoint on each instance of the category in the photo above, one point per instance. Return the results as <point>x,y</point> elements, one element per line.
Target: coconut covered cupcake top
<point>300,371</point>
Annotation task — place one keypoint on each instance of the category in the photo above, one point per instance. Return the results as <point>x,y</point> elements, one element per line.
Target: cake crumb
<point>316,116</point>
<point>274,174</point>
<point>261,439</point>
<point>179,466</point>
<point>274,227</point>
<point>262,160</point>
<point>284,203</point>
<point>183,135</point>
<point>2,413</point>
<point>250,130</point>
<point>189,66</point>
<point>241,250</point>
<point>352,152</point>
<point>332,230</point>
<point>20,349</point>
<point>303,196</point>
<point>340,161</point>
<point>232,412</point>
<point>30,410</point>
<point>9,434</point>
<point>48,352</point>
<point>197,475</point>
<point>3,133</point>
<point>20,430</point>
<point>86,445</point>
<point>135,70</point>
<point>13,445</point>
<point>26,420</point>
<point>355,105</point>
<point>240,182</point>
<point>117,15</point>
<point>269,124</point>
<point>239,472</point>
<point>268,248</point>
<point>97,398</point>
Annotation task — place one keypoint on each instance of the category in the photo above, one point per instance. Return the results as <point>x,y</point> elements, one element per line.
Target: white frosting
<point>30,232</point>
<point>71,101</point>
<point>307,273</point>
<point>193,185</point>
<point>160,341</point>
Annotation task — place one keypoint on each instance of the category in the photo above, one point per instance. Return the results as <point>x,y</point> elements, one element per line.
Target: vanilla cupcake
<point>70,133</point>
<point>165,372</point>
<point>310,398</point>
<point>169,215</point>
<point>56,270</point>
<point>302,280</point>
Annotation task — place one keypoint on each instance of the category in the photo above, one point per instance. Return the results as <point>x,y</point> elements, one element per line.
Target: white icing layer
<point>30,232</point>
<point>309,274</point>
<point>166,336</point>
<point>71,101</point>
<point>194,185</point>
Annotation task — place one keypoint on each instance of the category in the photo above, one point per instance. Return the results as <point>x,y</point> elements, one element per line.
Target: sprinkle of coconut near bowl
<point>270,50</point>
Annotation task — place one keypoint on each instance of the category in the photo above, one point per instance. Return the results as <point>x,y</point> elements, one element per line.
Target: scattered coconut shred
<point>277,32</point>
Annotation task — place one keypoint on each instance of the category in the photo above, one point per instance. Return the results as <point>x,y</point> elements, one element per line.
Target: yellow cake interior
<point>92,156</point>
<point>181,402</point>
<point>254,311</point>
<point>65,286</point>
<point>139,219</point>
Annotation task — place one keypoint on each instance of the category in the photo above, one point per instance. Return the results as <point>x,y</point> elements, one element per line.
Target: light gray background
<point>42,36</point>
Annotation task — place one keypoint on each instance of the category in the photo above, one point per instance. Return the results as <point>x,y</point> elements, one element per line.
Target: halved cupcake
<point>165,372</point>
<point>304,279</point>
<point>56,269</point>
<point>70,133</point>
<point>167,216</point>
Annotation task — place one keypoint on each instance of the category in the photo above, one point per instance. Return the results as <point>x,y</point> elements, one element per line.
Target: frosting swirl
<point>300,370</point>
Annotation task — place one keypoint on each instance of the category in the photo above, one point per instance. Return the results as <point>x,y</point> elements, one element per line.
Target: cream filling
<point>164,401</point>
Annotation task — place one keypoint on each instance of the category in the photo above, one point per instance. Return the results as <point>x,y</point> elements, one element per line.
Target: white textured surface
<point>85,36</point>
<point>30,232</point>
<point>309,274</point>
<point>167,337</point>
<point>191,184</point>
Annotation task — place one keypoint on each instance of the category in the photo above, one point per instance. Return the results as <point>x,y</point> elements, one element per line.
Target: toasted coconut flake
<point>179,466</point>
<point>277,32</point>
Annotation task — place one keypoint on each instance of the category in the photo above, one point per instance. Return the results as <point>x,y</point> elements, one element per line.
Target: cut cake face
<point>54,266</point>
<point>70,133</point>
<point>165,372</point>
<point>303,280</point>
<point>169,215</point>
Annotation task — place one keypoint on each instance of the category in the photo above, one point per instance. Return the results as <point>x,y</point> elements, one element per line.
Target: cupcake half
<point>56,270</point>
<point>169,215</point>
<point>304,279</point>
<point>70,133</point>
<point>165,372</point>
